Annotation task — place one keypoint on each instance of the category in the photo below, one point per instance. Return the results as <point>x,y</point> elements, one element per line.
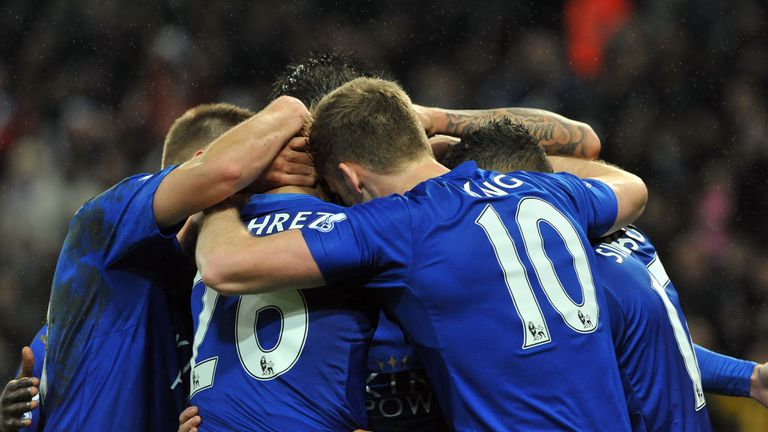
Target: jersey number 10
<point>531,213</point>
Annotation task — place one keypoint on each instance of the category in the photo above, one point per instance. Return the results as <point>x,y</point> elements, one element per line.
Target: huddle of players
<point>295,359</point>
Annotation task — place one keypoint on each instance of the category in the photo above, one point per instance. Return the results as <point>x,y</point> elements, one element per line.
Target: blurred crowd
<point>676,90</point>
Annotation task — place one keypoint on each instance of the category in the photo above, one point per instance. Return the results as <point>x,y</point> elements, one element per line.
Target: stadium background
<point>676,90</point>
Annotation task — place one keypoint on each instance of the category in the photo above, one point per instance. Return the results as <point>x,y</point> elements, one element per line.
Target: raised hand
<point>18,396</point>
<point>292,167</point>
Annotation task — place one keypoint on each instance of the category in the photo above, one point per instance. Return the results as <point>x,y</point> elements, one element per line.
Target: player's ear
<point>352,180</point>
<point>198,153</point>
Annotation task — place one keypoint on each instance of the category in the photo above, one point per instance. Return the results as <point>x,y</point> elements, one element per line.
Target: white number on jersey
<point>532,212</point>
<point>262,363</point>
<point>659,280</point>
<point>266,364</point>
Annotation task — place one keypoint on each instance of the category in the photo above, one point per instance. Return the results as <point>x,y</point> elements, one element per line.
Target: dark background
<point>676,90</point>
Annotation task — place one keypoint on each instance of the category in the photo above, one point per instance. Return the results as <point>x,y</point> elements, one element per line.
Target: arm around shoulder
<point>232,162</point>
<point>556,134</point>
<point>630,190</point>
<point>233,262</point>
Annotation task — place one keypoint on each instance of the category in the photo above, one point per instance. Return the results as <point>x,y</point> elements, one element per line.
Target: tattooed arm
<point>557,135</point>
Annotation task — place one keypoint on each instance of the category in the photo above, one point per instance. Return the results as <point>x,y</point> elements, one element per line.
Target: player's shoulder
<point>628,242</point>
<point>122,191</point>
<point>390,205</point>
<point>476,182</point>
<point>558,180</point>
<point>139,180</point>
<point>272,213</point>
<point>268,203</point>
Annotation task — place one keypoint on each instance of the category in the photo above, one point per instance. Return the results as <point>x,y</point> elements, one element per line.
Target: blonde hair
<point>369,121</point>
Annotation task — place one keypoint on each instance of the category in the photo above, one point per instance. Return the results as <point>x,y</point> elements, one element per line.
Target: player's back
<point>491,277</point>
<point>293,360</point>
<point>111,358</point>
<point>653,345</point>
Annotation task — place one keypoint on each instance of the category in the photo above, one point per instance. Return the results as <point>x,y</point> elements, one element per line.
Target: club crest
<point>327,222</point>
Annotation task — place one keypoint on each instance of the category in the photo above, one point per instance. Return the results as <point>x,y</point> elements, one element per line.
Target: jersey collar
<point>464,170</point>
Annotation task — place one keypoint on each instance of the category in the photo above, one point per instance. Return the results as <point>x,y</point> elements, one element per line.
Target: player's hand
<point>189,420</point>
<point>292,167</point>
<point>440,145</point>
<point>16,398</point>
<point>759,388</point>
<point>424,115</point>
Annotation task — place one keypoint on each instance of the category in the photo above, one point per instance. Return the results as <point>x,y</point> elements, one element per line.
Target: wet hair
<point>500,145</point>
<point>318,74</point>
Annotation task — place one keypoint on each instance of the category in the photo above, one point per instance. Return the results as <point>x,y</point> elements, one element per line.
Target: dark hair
<point>500,145</point>
<point>198,128</point>
<point>369,121</point>
<point>317,75</point>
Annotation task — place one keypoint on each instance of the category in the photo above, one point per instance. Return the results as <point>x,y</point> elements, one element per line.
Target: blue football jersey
<point>287,361</point>
<point>116,316</point>
<point>399,395</point>
<point>490,276</point>
<point>655,352</point>
<point>38,349</point>
<point>723,374</point>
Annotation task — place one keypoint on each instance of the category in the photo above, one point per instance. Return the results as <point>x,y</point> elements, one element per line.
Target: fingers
<point>18,409</point>
<point>189,420</point>
<point>440,145</point>
<point>20,383</point>
<point>13,423</point>
<point>28,385</point>
<point>298,158</point>
<point>27,362</point>
<point>447,139</point>
<point>17,400</point>
<point>298,143</point>
<point>295,153</point>
<point>187,414</point>
<point>293,160</point>
<point>292,163</point>
<point>294,168</point>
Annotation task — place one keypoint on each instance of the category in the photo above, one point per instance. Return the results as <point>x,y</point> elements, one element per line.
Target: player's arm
<point>631,193</point>
<point>233,262</point>
<point>16,398</point>
<point>730,376</point>
<point>556,134</point>
<point>230,164</point>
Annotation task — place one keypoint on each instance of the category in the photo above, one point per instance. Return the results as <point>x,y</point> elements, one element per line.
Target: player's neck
<point>405,179</point>
<point>314,191</point>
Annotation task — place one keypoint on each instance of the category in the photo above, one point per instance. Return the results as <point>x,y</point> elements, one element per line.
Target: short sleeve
<point>122,218</point>
<point>594,200</point>
<point>369,243</point>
